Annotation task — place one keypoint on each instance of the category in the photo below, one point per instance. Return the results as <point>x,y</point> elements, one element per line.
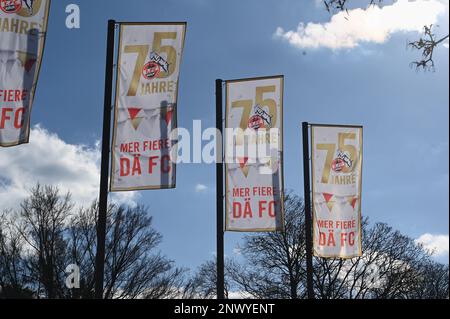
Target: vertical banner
<point>336,190</point>
<point>23,26</point>
<point>146,105</point>
<point>254,154</point>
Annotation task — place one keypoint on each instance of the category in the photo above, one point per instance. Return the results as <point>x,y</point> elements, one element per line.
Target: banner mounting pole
<point>104,170</point>
<point>308,219</point>
<point>219,194</point>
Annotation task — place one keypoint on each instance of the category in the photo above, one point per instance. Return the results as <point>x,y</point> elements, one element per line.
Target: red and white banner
<point>23,26</point>
<point>146,105</point>
<point>336,190</point>
<point>254,154</point>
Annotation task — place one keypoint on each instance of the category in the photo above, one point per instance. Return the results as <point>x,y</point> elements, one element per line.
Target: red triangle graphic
<point>169,116</point>
<point>242,161</point>
<point>29,64</point>
<point>327,196</point>
<point>133,111</point>
<point>354,202</point>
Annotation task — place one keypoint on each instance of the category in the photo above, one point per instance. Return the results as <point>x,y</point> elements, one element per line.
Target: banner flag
<point>254,154</point>
<point>23,27</point>
<point>145,113</point>
<point>336,190</point>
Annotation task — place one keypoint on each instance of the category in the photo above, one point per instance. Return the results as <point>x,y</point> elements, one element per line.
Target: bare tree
<point>425,44</point>
<point>278,258</point>
<point>387,269</point>
<point>39,240</point>
<point>14,275</point>
<point>44,236</point>
<point>392,265</point>
<point>41,223</point>
<point>203,283</point>
<point>82,238</point>
<point>133,266</point>
<point>431,282</point>
<point>275,267</point>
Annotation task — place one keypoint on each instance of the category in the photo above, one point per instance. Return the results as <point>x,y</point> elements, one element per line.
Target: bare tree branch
<point>392,266</point>
<point>44,236</point>
<point>427,43</point>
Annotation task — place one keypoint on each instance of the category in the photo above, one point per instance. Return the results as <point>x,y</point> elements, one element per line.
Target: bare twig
<point>341,5</point>
<point>427,43</point>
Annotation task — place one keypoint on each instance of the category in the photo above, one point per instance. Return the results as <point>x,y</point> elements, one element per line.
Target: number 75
<point>143,51</point>
<point>247,105</point>
<point>331,150</point>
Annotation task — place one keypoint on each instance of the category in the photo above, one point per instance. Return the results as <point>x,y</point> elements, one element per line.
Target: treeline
<point>46,234</point>
<point>392,266</point>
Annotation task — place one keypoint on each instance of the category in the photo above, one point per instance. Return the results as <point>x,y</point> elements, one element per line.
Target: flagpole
<point>219,194</point>
<point>308,221</point>
<point>104,170</point>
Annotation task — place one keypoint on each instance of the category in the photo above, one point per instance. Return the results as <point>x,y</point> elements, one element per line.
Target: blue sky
<point>404,112</point>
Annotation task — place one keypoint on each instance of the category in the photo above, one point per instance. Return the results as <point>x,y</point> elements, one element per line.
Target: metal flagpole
<point>219,194</point>
<point>104,170</point>
<point>308,221</point>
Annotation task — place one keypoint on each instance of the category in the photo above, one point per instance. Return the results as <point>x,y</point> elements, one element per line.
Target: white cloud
<point>201,188</point>
<point>436,244</point>
<point>373,24</point>
<point>48,159</point>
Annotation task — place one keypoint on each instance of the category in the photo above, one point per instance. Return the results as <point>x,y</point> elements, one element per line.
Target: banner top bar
<point>335,125</point>
<point>255,78</point>
<point>151,23</point>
